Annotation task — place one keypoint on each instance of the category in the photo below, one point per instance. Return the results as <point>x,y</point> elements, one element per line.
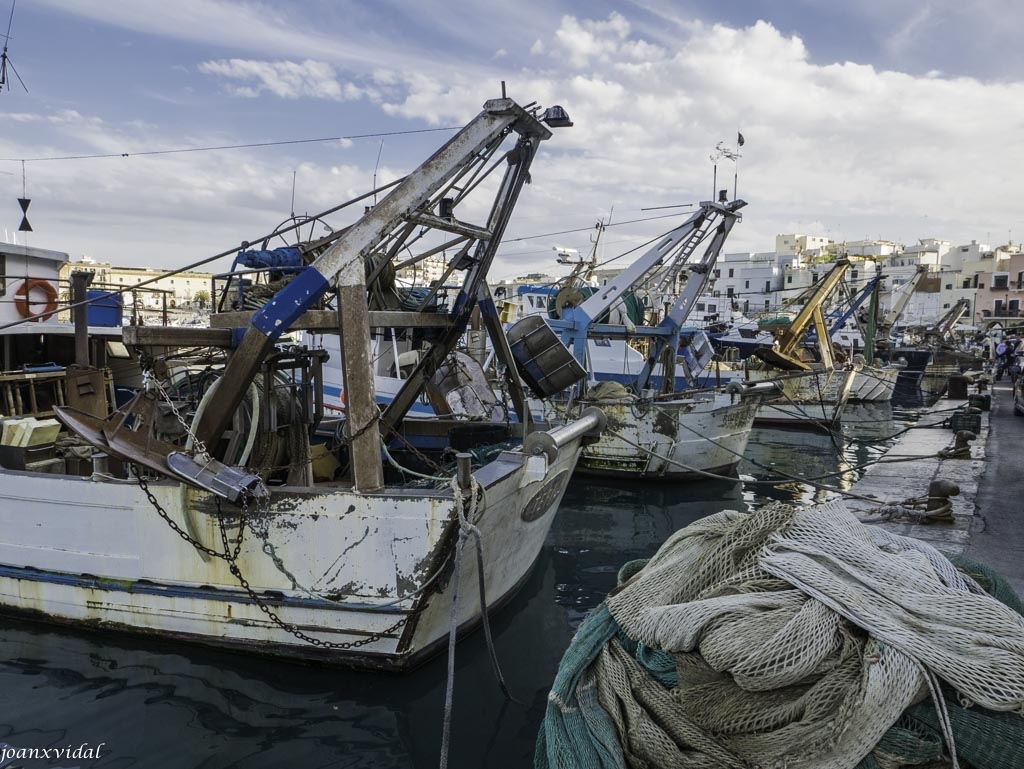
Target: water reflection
<point>156,705</point>
<point>603,524</point>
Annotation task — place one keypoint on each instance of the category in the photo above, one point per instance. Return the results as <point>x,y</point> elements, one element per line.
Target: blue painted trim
<point>182,591</point>
<point>288,304</point>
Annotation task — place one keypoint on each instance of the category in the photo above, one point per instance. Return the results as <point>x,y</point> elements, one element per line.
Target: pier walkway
<point>987,513</point>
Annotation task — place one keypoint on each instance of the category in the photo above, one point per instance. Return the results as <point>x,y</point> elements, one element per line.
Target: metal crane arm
<point>342,264</point>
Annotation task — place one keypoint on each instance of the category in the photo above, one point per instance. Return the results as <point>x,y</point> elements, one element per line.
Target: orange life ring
<point>23,303</point>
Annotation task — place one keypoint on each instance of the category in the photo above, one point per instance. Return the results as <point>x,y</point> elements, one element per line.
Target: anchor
<point>127,434</point>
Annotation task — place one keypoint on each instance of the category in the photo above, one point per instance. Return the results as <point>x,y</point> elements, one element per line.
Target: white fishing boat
<point>658,430</point>
<point>812,400</point>
<point>874,383</point>
<point>241,517</point>
<point>681,436</point>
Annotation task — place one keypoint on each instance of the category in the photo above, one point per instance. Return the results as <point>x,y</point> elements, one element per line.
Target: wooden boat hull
<point>678,439</point>
<point>811,400</point>
<point>371,574</point>
<point>872,384</point>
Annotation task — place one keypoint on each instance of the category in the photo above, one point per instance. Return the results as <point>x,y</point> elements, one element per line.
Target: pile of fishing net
<point>793,637</point>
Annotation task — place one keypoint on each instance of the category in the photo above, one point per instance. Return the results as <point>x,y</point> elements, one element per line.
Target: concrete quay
<point>986,524</point>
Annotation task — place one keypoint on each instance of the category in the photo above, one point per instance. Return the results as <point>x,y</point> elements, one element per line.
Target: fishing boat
<point>656,430</point>
<point>240,516</point>
<point>815,390</point>
<point>874,380</point>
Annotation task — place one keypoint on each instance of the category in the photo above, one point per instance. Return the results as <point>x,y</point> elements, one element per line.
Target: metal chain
<point>230,555</point>
<point>174,526</point>
<point>150,380</point>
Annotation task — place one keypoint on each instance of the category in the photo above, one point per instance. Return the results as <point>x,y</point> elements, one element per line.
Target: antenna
<point>5,60</point>
<point>293,194</point>
<point>375,167</point>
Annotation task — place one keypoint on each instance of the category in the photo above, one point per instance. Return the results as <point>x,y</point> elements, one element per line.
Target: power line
<point>250,145</point>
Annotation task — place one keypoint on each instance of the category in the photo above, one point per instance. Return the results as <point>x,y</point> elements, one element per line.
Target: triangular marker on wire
<point>24,203</point>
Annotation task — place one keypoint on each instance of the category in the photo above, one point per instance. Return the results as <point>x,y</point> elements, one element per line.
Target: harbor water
<point>155,704</point>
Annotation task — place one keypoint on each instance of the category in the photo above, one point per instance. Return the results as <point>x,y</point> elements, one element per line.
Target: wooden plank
<point>327,320</point>
<point>176,336</point>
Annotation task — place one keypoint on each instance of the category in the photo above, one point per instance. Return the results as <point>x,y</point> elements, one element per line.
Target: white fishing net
<point>799,636</point>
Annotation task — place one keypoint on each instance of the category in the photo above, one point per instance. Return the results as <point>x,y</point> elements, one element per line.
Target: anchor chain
<point>230,555</point>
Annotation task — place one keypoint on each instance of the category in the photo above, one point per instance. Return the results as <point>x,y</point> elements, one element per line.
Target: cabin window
<point>700,307</point>
<point>3,275</point>
<point>712,308</point>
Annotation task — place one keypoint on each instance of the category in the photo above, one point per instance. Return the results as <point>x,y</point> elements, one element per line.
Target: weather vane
<point>5,60</point>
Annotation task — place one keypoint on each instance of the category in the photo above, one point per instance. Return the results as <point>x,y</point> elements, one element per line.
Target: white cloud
<point>285,79</point>
<point>855,149</point>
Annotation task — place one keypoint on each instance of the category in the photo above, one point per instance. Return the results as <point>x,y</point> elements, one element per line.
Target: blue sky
<point>881,118</point>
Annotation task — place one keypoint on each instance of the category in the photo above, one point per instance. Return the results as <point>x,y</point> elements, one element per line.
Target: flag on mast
<point>739,139</point>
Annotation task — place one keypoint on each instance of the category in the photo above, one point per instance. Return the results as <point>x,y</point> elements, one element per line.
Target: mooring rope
<point>467,529</point>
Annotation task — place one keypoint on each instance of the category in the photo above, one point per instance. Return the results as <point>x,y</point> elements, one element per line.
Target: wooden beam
<point>327,320</point>
<point>176,336</point>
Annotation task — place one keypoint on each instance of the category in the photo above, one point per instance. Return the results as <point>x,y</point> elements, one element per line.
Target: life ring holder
<point>22,301</point>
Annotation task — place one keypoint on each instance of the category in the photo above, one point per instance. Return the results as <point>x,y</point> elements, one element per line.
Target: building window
<point>1000,281</point>
<point>789,278</point>
<point>730,272</point>
<point>746,284</point>
<point>949,286</point>
<point>853,275</point>
<point>718,273</point>
<point>767,304</point>
<point>945,307</point>
<point>713,307</point>
<point>728,292</point>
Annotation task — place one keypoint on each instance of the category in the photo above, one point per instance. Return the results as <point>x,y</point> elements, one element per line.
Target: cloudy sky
<point>894,119</point>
